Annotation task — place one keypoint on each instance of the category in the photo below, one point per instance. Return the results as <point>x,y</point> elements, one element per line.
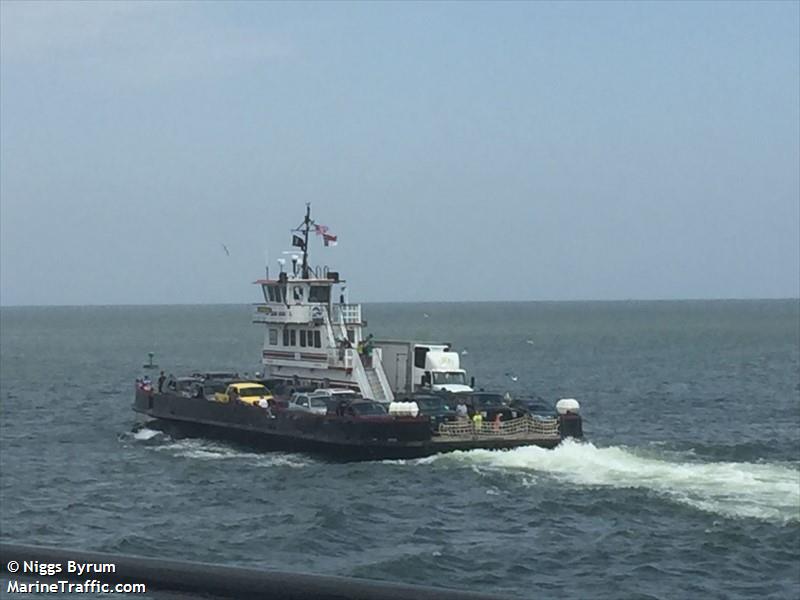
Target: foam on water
<point>145,434</point>
<point>199,449</point>
<point>732,489</point>
<point>295,461</point>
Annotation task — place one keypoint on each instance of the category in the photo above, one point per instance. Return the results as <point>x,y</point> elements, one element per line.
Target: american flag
<point>328,238</point>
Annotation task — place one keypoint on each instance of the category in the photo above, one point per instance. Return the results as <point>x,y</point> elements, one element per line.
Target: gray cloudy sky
<point>459,151</point>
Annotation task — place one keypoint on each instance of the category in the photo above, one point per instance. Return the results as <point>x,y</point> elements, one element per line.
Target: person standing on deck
<point>461,410</point>
<point>477,421</point>
<point>496,424</point>
<point>161,379</point>
<point>368,346</point>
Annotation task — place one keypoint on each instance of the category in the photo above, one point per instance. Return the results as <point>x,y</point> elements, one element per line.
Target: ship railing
<point>348,360</point>
<point>341,357</point>
<point>347,313</point>
<point>524,426</point>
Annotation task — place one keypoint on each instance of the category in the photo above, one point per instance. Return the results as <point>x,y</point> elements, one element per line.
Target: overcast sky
<point>459,151</point>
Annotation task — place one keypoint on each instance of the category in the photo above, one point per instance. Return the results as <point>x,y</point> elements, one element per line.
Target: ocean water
<point>687,485</point>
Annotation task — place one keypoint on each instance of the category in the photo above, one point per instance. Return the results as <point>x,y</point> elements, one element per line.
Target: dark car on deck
<point>366,410</point>
<point>535,405</point>
<point>439,409</point>
<point>490,405</point>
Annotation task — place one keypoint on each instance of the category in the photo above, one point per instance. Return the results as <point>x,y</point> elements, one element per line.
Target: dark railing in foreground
<point>217,580</point>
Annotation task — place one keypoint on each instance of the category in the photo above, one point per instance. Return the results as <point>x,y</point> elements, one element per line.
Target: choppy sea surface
<point>687,486</point>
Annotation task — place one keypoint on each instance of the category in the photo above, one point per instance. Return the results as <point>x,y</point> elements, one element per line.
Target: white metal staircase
<point>375,385</point>
<point>371,380</point>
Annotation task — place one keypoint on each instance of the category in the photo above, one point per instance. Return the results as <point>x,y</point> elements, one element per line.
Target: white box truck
<point>416,366</point>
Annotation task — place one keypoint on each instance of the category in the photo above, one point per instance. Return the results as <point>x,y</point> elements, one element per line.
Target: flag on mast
<point>327,237</point>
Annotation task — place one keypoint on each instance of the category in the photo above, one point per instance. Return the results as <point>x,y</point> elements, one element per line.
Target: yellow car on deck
<point>246,392</point>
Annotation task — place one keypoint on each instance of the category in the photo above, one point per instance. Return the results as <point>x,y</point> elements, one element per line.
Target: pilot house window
<point>273,293</point>
<point>319,293</point>
<point>273,337</point>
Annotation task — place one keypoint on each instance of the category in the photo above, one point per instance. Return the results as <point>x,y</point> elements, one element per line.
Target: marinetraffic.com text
<point>69,570</point>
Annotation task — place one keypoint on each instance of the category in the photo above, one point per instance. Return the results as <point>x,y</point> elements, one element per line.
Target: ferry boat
<point>327,388</point>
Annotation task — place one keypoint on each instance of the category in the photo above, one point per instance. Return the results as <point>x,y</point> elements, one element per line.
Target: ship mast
<point>306,227</point>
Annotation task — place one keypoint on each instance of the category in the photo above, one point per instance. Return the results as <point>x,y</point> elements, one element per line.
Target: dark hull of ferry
<point>341,438</point>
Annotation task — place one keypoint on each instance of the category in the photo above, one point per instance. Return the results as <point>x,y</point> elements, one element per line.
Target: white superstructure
<point>312,333</point>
